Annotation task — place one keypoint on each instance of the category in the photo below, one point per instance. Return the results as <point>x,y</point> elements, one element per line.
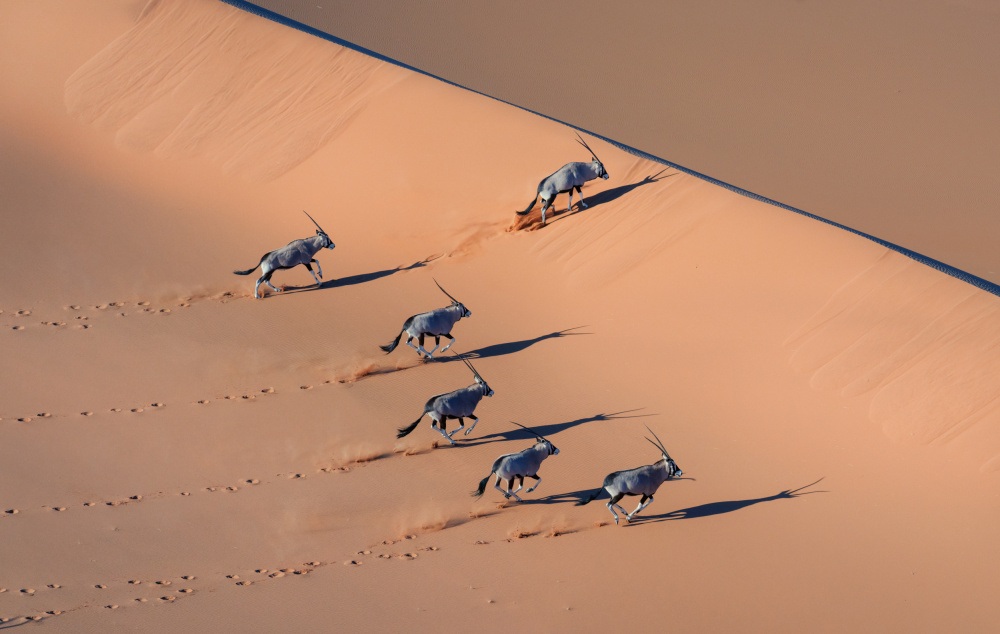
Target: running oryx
<point>291,255</point>
<point>459,404</point>
<point>567,178</point>
<point>642,481</point>
<point>519,465</point>
<point>436,323</point>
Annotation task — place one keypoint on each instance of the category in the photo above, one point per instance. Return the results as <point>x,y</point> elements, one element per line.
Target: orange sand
<point>184,457</point>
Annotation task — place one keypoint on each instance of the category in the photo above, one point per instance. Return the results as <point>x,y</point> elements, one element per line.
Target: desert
<point>179,455</point>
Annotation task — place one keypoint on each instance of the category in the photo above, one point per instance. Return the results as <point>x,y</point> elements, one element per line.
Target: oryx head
<point>672,469</point>
<point>601,172</point>
<point>327,242</point>
<point>454,302</point>
<point>540,440</point>
<point>479,380</point>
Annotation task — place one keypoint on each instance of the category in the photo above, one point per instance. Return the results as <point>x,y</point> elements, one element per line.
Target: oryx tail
<point>389,347</point>
<point>404,431</point>
<point>530,206</point>
<point>249,271</point>
<point>482,487</point>
<point>482,483</point>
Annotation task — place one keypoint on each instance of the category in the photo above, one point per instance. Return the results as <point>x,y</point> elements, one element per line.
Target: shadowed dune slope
<point>181,456</point>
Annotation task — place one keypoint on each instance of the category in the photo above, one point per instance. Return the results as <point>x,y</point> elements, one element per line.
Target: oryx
<point>291,255</point>
<point>436,323</point>
<point>519,465</point>
<point>642,481</point>
<point>459,404</point>
<point>567,178</point>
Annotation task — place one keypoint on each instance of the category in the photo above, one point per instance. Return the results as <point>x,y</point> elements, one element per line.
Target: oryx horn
<point>528,429</point>
<point>584,144</point>
<point>471,368</point>
<point>314,221</point>
<point>446,292</point>
<point>659,443</point>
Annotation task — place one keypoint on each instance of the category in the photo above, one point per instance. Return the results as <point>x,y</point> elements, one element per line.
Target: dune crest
<point>218,85</point>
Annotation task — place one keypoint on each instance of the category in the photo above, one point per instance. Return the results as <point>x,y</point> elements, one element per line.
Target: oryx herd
<point>461,403</point>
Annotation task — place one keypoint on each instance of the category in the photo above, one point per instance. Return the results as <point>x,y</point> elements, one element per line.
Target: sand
<point>182,456</point>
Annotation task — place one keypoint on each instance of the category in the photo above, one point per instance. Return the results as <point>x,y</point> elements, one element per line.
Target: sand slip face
<point>181,455</point>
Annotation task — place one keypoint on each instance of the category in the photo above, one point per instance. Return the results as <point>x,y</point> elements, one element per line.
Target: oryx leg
<point>440,426</point>
<point>318,267</point>
<point>613,503</point>
<point>461,426</point>
<point>511,486</point>
<point>535,485</point>
<point>409,342</point>
<point>496,485</point>
<point>569,207</point>
<point>308,266</point>
<point>475,419</point>
<point>420,346</point>
<point>437,344</point>
<point>447,334</point>
<point>545,206</point>
<point>579,190</point>
<point>266,278</point>
<point>642,504</point>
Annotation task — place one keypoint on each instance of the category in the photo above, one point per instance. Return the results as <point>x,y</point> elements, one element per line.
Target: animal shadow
<point>553,428</point>
<point>721,508</point>
<point>501,349</point>
<point>609,195</point>
<point>363,278</point>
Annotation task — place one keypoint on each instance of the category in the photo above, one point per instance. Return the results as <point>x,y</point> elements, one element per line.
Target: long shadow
<point>501,349</point>
<point>721,508</point>
<point>610,195</point>
<point>578,496</point>
<point>552,429</point>
<point>352,280</point>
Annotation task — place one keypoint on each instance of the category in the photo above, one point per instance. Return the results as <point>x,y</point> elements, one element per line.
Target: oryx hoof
<point>518,499</point>
<point>583,205</point>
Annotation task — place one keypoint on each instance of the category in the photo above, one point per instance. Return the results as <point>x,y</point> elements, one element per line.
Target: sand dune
<point>180,455</point>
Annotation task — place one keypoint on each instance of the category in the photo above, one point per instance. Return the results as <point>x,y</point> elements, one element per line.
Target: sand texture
<point>179,456</point>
